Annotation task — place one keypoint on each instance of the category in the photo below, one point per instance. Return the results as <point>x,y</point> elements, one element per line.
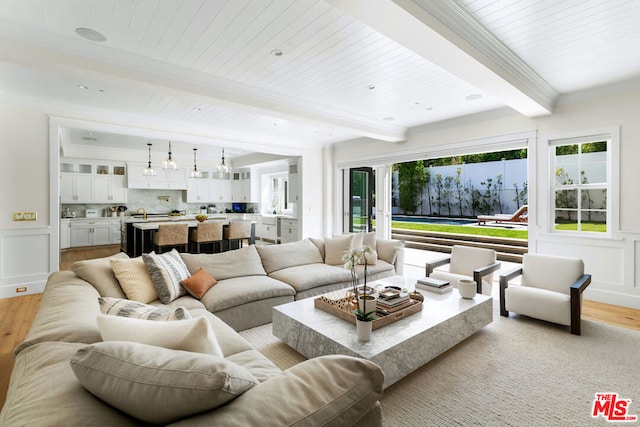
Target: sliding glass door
<point>360,199</point>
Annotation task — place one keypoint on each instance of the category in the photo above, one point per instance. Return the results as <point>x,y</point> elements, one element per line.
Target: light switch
<point>25,216</point>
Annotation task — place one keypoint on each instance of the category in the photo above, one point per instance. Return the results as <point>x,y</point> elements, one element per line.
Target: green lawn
<point>598,227</point>
<point>457,229</point>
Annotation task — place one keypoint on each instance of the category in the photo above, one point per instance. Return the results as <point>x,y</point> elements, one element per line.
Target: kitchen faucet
<point>144,212</point>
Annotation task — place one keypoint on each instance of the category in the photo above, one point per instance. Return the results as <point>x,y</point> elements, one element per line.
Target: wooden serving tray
<point>381,321</point>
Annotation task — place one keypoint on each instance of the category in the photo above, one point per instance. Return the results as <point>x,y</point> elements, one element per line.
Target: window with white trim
<point>582,186</point>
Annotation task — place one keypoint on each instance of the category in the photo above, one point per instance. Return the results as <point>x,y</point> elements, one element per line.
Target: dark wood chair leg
<point>503,286</point>
<point>576,322</point>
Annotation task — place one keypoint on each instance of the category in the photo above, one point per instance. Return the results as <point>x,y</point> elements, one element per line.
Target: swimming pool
<point>433,220</point>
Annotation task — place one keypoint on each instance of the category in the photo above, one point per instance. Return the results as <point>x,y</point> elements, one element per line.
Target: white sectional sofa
<point>47,389</point>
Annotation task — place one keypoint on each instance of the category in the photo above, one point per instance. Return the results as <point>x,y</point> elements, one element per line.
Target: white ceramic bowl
<point>467,288</point>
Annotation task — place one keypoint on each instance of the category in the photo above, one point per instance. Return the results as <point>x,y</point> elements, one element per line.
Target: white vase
<point>368,305</point>
<point>467,288</point>
<point>364,330</point>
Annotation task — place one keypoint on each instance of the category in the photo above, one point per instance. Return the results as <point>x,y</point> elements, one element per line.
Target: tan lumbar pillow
<point>134,279</point>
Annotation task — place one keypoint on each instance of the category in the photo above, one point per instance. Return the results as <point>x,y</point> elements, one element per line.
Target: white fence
<point>482,188</point>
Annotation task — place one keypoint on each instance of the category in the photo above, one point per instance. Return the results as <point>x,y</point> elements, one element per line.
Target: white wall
<point>28,251</point>
<point>26,254</point>
<point>614,261</point>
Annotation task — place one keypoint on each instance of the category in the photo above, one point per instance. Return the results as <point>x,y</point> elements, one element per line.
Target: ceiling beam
<point>445,34</point>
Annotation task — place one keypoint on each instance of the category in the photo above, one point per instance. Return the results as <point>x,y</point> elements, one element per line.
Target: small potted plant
<point>366,304</point>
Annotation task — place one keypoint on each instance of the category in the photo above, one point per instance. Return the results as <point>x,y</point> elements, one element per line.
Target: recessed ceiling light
<point>83,87</point>
<point>276,52</point>
<point>91,34</point>
<point>429,108</point>
<point>473,97</point>
<point>389,119</point>
<point>197,109</point>
<point>371,87</point>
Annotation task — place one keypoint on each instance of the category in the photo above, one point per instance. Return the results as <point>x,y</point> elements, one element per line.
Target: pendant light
<point>195,173</point>
<point>222,167</point>
<point>148,171</point>
<point>169,163</point>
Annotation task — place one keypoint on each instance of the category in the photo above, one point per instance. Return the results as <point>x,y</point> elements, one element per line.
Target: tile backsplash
<point>153,201</point>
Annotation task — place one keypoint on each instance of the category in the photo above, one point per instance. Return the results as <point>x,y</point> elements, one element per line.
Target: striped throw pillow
<point>138,310</point>
<point>167,271</point>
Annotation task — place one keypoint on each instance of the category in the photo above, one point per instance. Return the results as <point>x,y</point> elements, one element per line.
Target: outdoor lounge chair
<point>521,215</point>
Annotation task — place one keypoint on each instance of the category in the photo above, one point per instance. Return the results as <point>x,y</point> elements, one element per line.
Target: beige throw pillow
<point>335,248</point>
<point>190,335</point>
<point>157,385</point>
<point>134,279</point>
<point>98,272</point>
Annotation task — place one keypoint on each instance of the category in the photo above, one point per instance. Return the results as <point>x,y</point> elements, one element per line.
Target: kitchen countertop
<point>165,218</point>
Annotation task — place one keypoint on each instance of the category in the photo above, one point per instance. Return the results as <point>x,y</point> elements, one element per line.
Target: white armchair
<point>466,262</point>
<point>550,289</point>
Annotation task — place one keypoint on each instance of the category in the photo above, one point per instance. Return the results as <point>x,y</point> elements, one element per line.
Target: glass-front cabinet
<point>84,181</point>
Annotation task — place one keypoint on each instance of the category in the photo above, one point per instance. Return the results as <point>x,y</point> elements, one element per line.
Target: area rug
<point>516,371</point>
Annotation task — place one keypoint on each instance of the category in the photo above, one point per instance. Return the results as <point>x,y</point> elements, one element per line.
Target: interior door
<point>360,199</point>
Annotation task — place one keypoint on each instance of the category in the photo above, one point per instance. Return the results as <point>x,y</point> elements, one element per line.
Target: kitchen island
<point>138,232</point>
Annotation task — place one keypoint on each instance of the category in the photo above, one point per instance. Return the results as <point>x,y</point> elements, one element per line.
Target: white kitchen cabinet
<point>267,229</point>
<point>83,181</point>
<point>116,231</point>
<point>90,232</point>
<point>164,179</point>
<point>109,189</point>
<point>199,190</point>
<point>288,230</point>
<point>76,188</point>
<point>220,190</point>
<point>243,188</point>
<point>65,233</point>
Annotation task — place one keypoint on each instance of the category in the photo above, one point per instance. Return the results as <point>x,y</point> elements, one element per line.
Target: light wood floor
<point>16,316</point>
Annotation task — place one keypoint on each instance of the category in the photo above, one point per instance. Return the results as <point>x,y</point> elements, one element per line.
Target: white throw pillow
<point>369,240</point>
<point>137,310</point>
<point>167,271</point>
<point>335,248</point>
<point>157,385</point>
<point>134,279</point>
<point>190,335</point>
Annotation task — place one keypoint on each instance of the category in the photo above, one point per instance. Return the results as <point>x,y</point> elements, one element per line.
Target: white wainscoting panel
<point>25,260</point>
<point>612,263</point>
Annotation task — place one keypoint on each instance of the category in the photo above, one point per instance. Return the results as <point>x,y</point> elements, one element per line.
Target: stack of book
<point>394,303</point>
<point>434,285</point>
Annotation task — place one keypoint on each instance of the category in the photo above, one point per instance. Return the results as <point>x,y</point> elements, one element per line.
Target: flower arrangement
<point>351,259</point>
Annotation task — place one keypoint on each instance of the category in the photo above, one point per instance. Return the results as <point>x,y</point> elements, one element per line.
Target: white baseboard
<point>9,291</point>
<point>615,298</point>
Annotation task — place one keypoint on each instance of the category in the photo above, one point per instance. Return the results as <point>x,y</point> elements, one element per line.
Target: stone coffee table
<point>398,348</point>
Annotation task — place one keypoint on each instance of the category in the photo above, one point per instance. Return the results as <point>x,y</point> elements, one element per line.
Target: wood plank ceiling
<point>209,67</point>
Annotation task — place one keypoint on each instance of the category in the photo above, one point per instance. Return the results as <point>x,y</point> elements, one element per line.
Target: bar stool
<point>207,232</point>
<point>171,235</point>
<point>236,232</point>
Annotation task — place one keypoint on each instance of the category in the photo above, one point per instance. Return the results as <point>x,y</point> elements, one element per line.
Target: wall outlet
<point>25,216</point>
<point>21,289</point>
